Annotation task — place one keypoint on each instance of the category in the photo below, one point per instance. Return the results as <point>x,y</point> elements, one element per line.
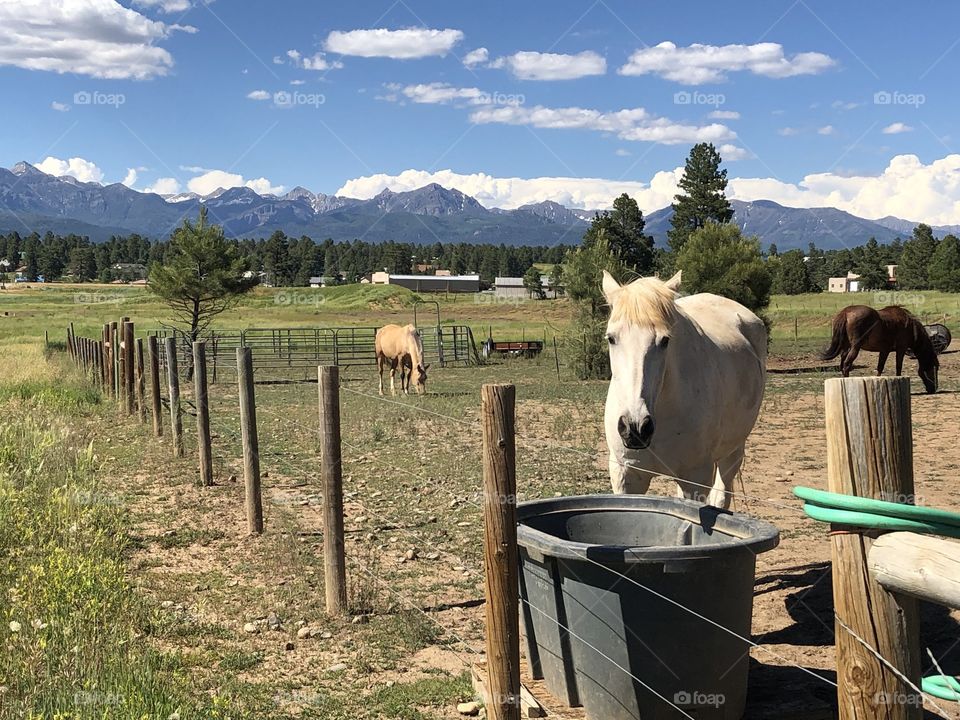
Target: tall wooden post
<point>203,412</point>
<point>98,364</point>
<point>870,455</point>
<point>107,360</point>
<point>251,443</point>
<point>141,382</point>
<point>173,379</point>
<point>500,551</point>
<point>128,365</point>
<point>331,474</point>
<point>115,357</point>
<point>154,352</point>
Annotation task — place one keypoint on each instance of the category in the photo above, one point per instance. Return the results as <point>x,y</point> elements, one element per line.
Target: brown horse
<point>891,329</point>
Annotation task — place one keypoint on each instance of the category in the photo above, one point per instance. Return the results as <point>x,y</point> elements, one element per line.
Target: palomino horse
<point>401,347</point>
<point>892,329</point>
<point>687,382</point>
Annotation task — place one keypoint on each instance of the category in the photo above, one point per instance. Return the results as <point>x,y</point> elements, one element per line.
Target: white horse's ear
<point>674,282</point>
<point>610,286</point>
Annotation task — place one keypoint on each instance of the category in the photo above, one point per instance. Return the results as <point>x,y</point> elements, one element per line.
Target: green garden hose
<point>882,515</point>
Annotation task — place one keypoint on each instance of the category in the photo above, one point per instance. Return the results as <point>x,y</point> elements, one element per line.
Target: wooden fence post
<point>128,364</point>
<point>203,412</point>
<point>331,474</point>
<point>115,358</point>
<point>870,455</point>
<point>98,364</point>
<point>107,361</point>
<point>173,379</point>
<point>251,443</point>
<point>154,352</point>
<point>141,381</point>
<point>500,551</point>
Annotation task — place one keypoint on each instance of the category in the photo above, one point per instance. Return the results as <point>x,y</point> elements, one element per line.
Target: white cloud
<point>298,82</point>
<point>99,38</point>
<point>130,178</point>
<point>164,186</point>
<point>437,93</point>
<point>259,95</point>
<point>82,170</point>
<point>732,153</point>
<point>724,115</point>
<point>827,130</point>
<point>476,57</point>
<point>59,106</point>
<point>277,60</point>
<point>317,61</point>
<point>167,6</point>
<point>788,131</point>
<point>906,188</point>
<point>628,124</point>
<point>512,192</point>
<point>397,44</point>
<point>622,152</point>
<point>844,105</point>
<point>211,180</point>
<point>897,128</point>
<point>552,66</point>
<point>698,64</point>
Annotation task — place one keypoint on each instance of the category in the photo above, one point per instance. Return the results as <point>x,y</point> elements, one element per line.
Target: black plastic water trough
<point>594,572</point>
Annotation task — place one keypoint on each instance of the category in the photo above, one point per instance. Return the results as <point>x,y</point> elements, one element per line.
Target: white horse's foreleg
<point>627,480</point>
<point>722,493</point>
<point>696,483</point>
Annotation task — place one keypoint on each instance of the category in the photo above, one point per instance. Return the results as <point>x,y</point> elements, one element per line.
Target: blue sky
<point>812,103</point>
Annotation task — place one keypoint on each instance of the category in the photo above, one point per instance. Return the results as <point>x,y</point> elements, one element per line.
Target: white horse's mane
<point>646,301</point>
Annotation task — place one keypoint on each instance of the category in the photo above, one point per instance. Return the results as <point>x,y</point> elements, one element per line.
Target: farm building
<point>430,283</point>
<point>513,287</point>
<point>850,283</point>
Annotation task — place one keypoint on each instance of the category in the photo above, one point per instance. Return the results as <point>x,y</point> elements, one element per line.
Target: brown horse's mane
<point>922,345</point>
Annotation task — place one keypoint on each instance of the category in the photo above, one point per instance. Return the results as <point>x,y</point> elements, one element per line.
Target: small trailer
<point>940,337</point>
<point>511,348</point>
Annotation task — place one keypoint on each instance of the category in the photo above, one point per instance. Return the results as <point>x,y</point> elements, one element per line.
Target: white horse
<point>688,379</point>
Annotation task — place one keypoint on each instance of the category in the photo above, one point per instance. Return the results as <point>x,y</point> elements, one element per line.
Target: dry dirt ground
<point>412,480</point>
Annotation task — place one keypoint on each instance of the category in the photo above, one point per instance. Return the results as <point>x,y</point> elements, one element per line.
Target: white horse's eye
<point>611,339</point>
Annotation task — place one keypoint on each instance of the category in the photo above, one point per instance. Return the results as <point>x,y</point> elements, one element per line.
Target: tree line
<point>287,261</point>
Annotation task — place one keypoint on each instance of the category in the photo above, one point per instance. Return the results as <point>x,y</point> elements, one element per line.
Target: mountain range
<point>31,200</point>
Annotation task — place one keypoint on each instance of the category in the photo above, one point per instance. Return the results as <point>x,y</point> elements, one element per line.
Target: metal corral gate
<point>278,350</point>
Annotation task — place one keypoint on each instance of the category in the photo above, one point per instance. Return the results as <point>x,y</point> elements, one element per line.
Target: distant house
<point>129,271</point>
<point>850,283</point>
<point>891,274</point>
<point>320,281</point>
<point>430,283</point>
<point>513,287</point>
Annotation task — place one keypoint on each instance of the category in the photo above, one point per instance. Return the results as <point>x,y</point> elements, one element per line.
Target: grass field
<point>137,594</point>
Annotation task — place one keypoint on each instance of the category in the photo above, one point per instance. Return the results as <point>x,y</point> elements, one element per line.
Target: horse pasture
<point>241,620</point>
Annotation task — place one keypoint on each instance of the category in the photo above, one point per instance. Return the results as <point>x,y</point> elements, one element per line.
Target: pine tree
<point>791,277</point>
<point>872,266</point>
<point>702,200</point>
<point>623,230</point>
<point>718,259</point>
<point>945,265</point>
<point>914,267</point>
<point>202,277</point>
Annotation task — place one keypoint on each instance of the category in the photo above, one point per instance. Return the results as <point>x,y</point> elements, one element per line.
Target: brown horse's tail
<point>839,335</point>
